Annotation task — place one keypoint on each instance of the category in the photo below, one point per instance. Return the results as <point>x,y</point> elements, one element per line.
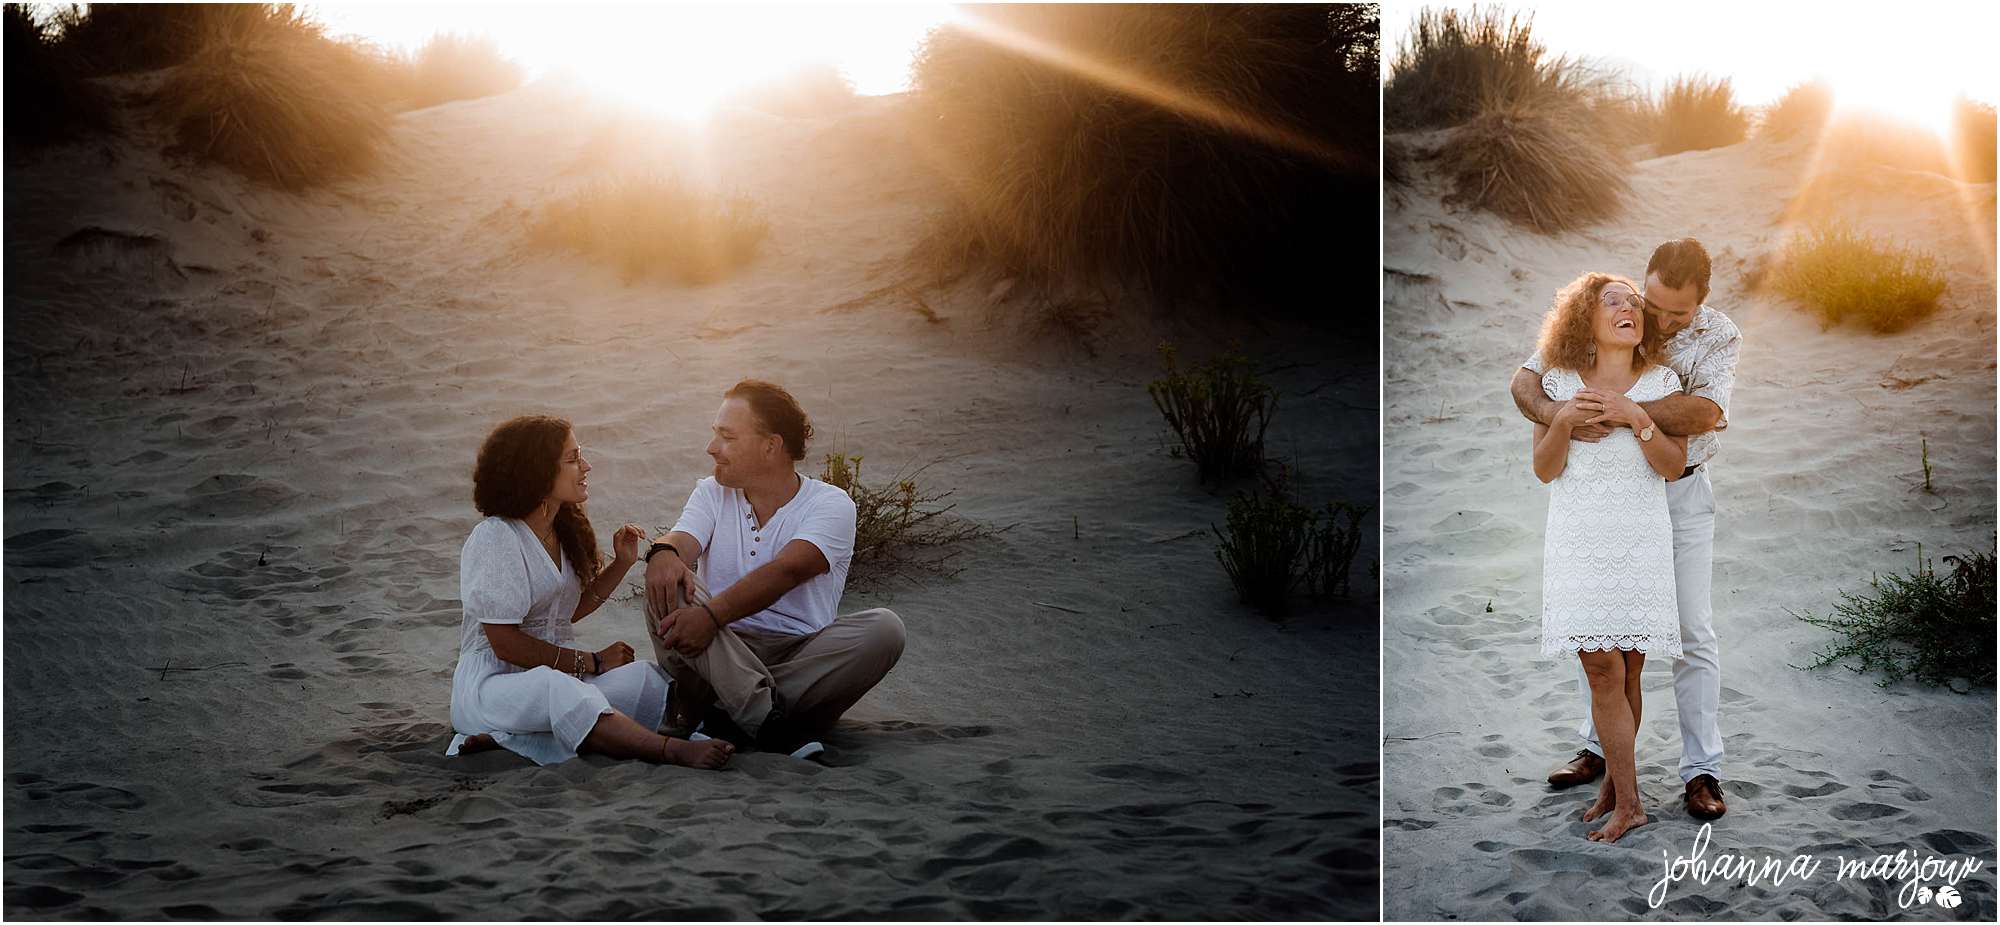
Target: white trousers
<point>1698,672</point>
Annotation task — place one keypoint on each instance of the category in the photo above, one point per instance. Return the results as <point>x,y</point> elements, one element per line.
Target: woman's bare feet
<point>476,744</point>
<point>1607,798</point>
<point>709,754</point>
<point>1620,821</point>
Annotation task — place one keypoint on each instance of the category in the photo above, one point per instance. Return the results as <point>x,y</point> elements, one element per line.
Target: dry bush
<point>1802,111</point>
<point>1698,112</point>
<point>651,223</point>
<point>898,530</point>
<point>1846,274</point>
<point>118,38</point>
<point>1219,411</point>
<point>48,98</point>
<point>1543,172</point>
<point>451,66</point>
<point>1625,113</point>
<point>267,94</point>
<point>1200,150</point>
<point>810,90</point>
<point>1454,66</point>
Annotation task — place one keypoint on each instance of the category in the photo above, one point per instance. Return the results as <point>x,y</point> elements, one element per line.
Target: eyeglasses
<point>574,458</point>
<point>1622,298</point>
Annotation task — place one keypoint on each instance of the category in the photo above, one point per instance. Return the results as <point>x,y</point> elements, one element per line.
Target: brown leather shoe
<point>1587,766</point>
<point>1704,797</point>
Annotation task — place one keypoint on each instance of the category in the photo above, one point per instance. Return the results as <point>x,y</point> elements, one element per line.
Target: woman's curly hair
<point>1568,340</point>
<point>517,468</point>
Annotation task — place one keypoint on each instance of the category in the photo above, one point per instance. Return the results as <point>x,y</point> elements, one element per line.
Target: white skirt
<point>543,714</point>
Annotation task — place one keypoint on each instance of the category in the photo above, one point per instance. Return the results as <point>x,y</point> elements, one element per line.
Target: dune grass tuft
<point>451,66</point>
<point>48,97</point>
<point>1177,151</point>
<point>1331,542</point>
<point>1698,112</point>
<point>1454,66</point>
<point>1934,629</point>
<point>265,93</point>
<point>900,529</point>
<point>1972,140</point>
<point>807,91</point>
<point>1219,411</point>
<point>1802,112</point>
<point>1845,274</point>
<point>1536,170</point>
<point>652,223</point>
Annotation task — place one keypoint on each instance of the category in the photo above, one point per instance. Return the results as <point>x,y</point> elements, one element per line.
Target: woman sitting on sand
<point>527,572</point>
<point>1608,558</point>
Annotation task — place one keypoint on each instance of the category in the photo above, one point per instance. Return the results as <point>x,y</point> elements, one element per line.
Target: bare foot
<point>476,744</point>
<point>709,755</point>
<point>1607,797</point>
<point>1618,823</point>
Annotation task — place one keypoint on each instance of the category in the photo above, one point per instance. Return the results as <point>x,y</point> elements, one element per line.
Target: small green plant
<point>1334,538</point>
<point>1219,411</point>
<point>1698,112</point>
<point>649,223</point>
<point>1847,274</point>
<point>897,529</point>
<point>1267,540</point>
<point>1935,629</point>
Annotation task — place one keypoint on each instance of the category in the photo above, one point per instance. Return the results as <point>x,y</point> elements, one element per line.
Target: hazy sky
<point>669,54</point>
<point>1897,48</point>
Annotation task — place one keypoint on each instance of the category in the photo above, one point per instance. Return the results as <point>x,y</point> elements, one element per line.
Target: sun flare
<point>1909,100</point>
<point>673,60</point>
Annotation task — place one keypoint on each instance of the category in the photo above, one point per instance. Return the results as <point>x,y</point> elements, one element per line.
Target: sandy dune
<point>240,427</point>
<point>1818,485</point>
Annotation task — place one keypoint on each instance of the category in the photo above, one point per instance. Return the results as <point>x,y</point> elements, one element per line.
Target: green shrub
<point>1698,112</point>
<point>1219,411</point>
<point>648,223</point>
<point>48,98</point>
<point>1845,274</point>
<point>1454,66</point>
<point>1331,543</point>
<point>1179,150</point>
<point>1936,630</point>
<point>1540,171</point>
<point>1263,549</point>
<point>898,529</point>
<point>459,67</point>
<point>1804,110</point>
<point>267,94</point>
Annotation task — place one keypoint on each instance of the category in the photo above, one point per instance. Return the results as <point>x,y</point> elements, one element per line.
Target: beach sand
<point>240,429</point>
<point>1818,485</point>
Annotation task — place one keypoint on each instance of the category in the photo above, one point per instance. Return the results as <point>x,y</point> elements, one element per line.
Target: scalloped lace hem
<point>1642,642</point>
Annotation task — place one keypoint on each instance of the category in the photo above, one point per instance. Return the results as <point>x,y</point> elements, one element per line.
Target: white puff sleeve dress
<point>505,576</point>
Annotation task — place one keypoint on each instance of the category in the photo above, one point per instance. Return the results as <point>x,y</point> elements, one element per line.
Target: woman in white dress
<point>527,572</point>
<point>1608,558</point>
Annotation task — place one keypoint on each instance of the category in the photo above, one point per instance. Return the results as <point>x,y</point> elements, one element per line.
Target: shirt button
<point>757,539</point>
<point>753,553</point>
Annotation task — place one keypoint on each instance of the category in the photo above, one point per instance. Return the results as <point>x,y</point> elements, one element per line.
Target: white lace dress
<point>1608,559</point>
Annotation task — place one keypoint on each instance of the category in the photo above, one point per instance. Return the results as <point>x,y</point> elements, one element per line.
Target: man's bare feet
<point>1618,823</point>
<point>1607,799</point>
<point>709,754</point>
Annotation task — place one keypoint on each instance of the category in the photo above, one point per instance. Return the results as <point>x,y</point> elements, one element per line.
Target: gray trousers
<point>817,676</point>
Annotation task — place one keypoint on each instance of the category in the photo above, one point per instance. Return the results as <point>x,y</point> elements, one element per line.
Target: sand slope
<point>1818,485</point>
<point>240,427</point>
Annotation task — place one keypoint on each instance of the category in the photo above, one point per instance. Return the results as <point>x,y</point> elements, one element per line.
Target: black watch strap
<point>656,547</point>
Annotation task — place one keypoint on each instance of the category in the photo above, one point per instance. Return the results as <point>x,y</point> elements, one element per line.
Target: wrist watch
<point>1647,434</point>
<point>656,547</point>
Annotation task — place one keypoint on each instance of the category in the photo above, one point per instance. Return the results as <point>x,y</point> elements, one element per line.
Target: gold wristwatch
<point>1647,434</point>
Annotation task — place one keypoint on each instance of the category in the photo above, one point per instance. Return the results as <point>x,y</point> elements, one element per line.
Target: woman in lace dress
<point>527,572</point>
<point>1608,558</point>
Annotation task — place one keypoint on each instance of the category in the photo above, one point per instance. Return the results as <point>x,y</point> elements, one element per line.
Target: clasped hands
<point>683,627</point>
<point>1592,414</point>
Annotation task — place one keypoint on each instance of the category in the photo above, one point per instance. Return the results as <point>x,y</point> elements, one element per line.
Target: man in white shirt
<point>1702,346</point>
<point>773,546</point>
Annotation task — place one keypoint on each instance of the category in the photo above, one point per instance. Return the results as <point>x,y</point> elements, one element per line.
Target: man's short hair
<point>777,411</point>
<point>1679,261</point>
